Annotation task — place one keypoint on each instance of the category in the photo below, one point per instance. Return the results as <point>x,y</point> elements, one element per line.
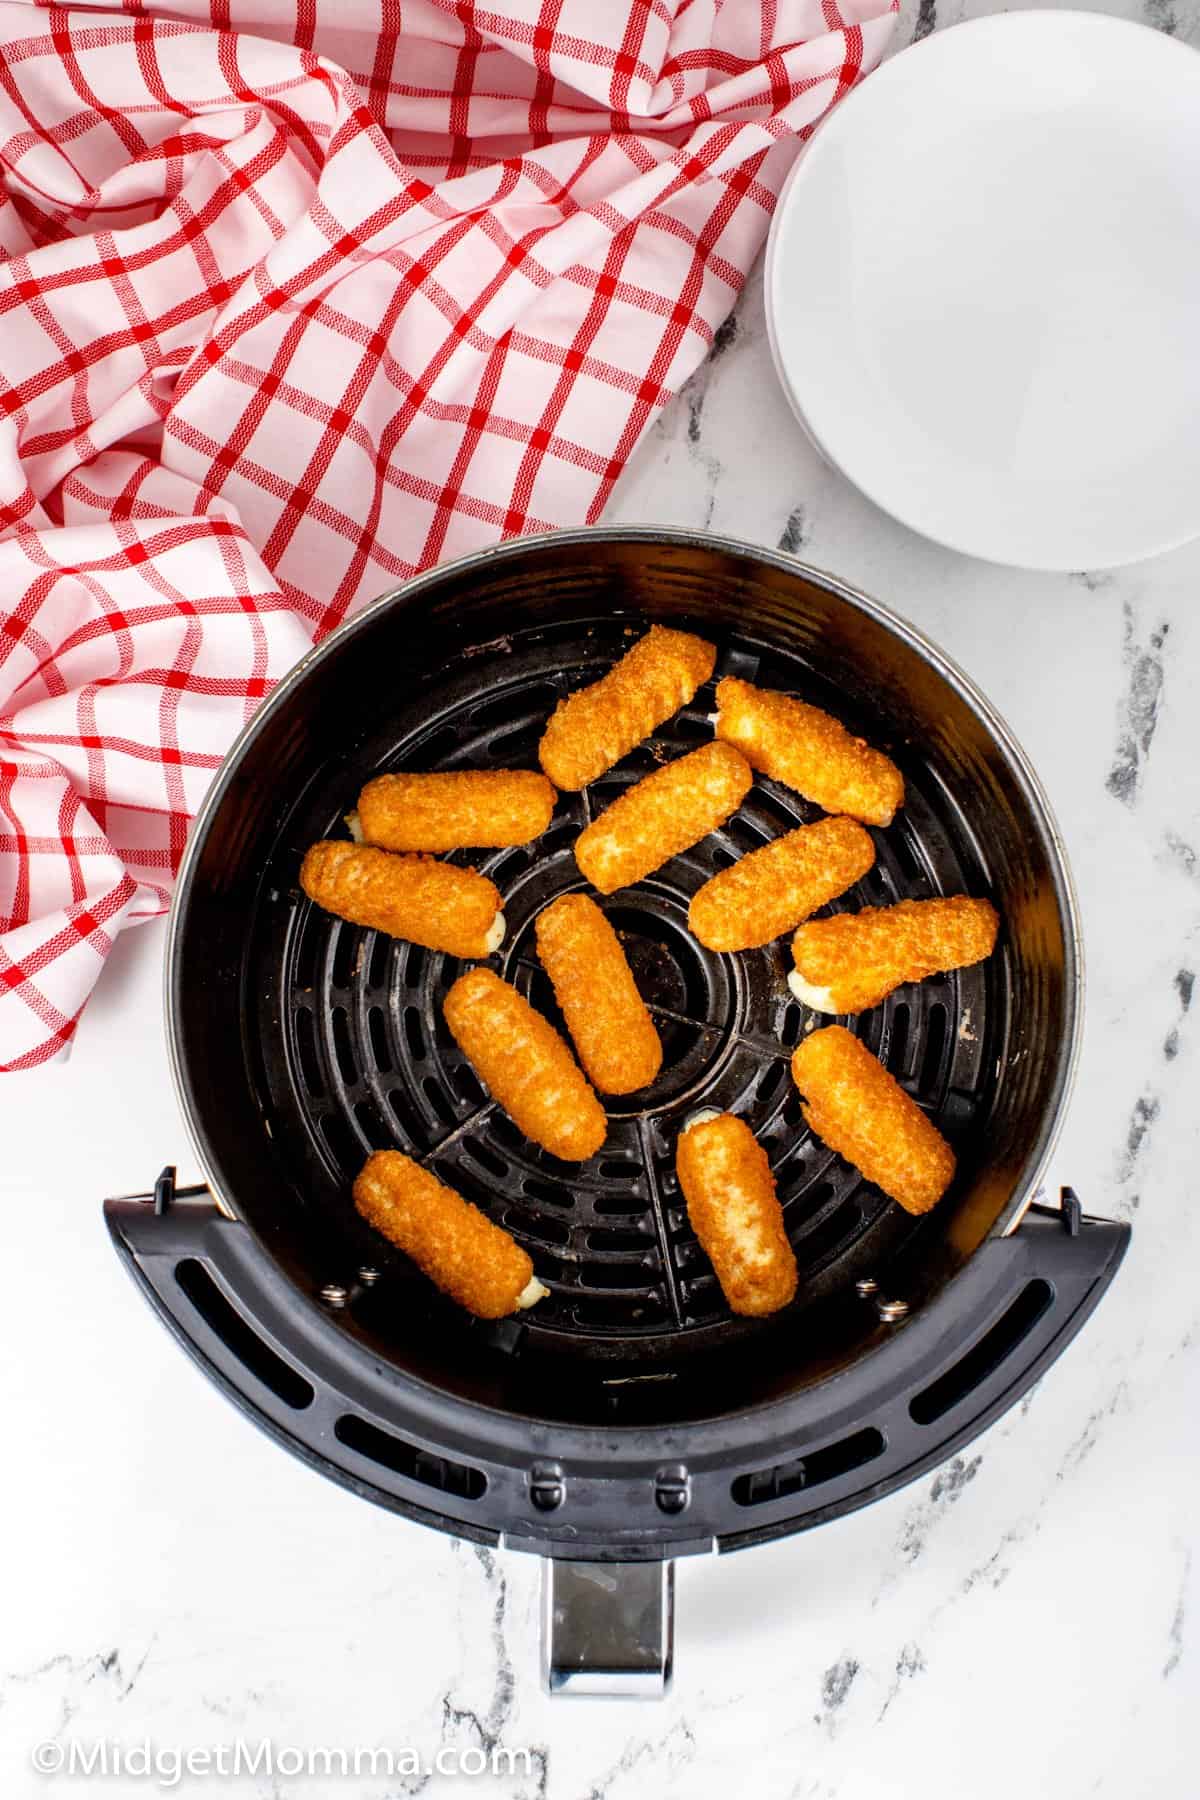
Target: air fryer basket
<point>597,1424</point>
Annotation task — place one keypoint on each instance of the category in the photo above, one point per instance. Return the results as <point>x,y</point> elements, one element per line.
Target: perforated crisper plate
<point>367,1062</point>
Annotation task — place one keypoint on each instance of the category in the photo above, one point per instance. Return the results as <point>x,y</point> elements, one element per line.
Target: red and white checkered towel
<point>298,297</point>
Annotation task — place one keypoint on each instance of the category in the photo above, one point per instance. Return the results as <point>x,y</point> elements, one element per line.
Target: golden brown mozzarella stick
<point>662,815</point>
<point>770,890</point>
<point>451,1241</point>
<point>594,728</point>
<point>854,960</point>
<point>735,1213</point>
<point>414,897</point>
<point>808,750</point>
<point>863,1113</point>
<point>462,810</point>
<point>525,1066</point>
<point>594,986</point>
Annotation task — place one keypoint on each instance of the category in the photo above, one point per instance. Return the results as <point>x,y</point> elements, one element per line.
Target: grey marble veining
<point>1021,1620</point>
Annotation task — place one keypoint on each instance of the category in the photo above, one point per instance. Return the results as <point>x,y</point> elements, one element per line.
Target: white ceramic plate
<point>983,289</point>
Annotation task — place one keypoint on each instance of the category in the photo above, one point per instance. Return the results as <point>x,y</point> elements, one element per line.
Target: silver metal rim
<point>513,548</point>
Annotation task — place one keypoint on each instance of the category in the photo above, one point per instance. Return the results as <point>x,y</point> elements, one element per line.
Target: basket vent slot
<point>1013,1325</point>
<point>761,1485</point>
<point>403,1458</point>
<point>936,1027</point>
<point>240,1338</point>
<point>898,1038</point>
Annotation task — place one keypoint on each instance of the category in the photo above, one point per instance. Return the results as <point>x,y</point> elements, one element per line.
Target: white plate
<point>983,289</point>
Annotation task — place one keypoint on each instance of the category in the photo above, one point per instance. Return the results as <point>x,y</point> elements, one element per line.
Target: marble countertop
<point>1021,1619</point>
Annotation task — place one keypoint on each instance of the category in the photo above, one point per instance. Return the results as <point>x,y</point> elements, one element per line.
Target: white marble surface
<point>1020,1622</point>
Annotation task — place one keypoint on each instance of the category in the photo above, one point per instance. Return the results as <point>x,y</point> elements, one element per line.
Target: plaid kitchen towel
<point>298,297</point>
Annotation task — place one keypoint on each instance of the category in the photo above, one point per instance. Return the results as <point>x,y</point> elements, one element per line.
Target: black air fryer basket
<point>629,1418</point>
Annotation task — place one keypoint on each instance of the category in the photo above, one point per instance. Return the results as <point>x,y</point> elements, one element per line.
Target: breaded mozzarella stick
<point>662,815</point>
<point>772,889</point>
<point>735,1213</point>
<point>414,897</point>
<point>525,1066</point>
<point>863,1113</point>
<point>854,960</point>
<point>808,750</point>
<point>594,986</point>
<point>451,1241</point>
<point>462,810</point>
<point>594,728</point>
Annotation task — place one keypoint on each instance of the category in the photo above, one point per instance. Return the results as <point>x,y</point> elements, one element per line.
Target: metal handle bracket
<point>608,1628</point>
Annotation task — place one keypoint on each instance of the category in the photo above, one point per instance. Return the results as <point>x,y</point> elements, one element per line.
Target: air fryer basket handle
<point>294,1365</point>
<point>608,1629</point>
